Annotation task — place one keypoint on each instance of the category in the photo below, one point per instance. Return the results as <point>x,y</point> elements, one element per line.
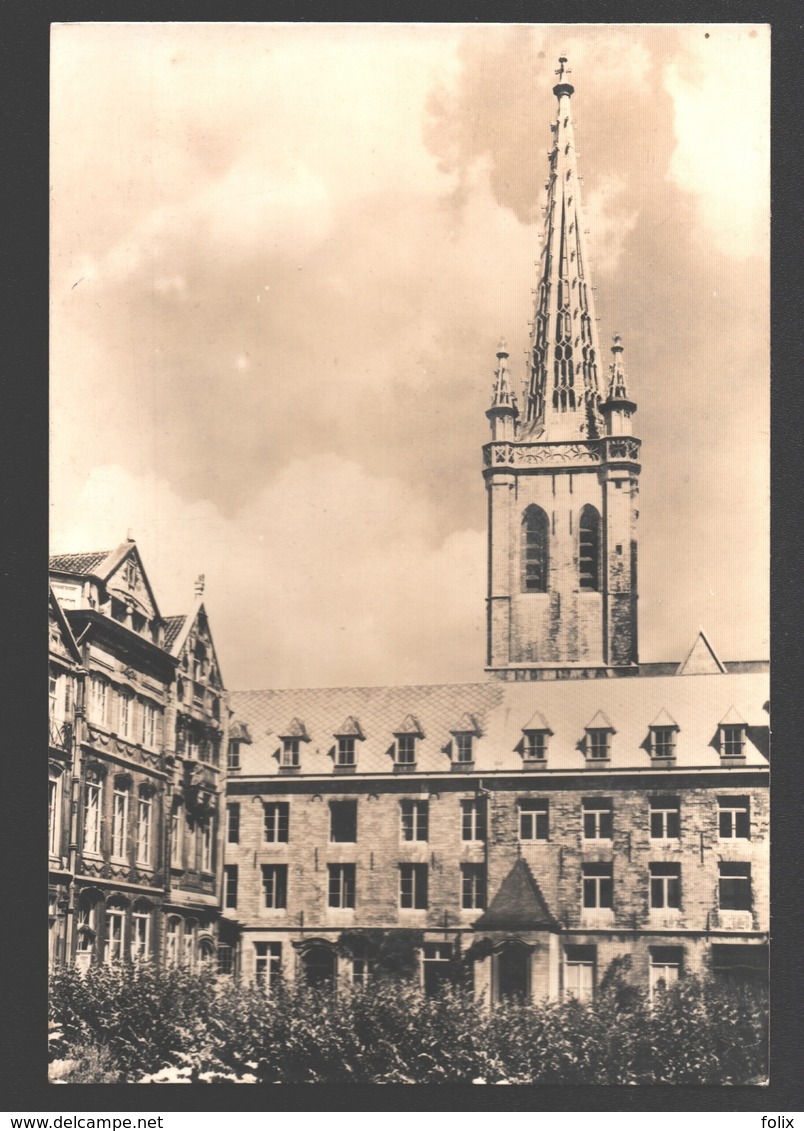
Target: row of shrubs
<point>135,1023</point>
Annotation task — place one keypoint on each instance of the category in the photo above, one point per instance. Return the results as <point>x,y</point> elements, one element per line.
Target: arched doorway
<point>512,979</point>
<point>318,962</point>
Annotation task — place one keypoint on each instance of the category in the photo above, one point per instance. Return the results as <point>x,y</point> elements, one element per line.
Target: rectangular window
<point>173,941</point>
<point>126,714</point>
<point>665,885</point>
<point>463,747</point>
<point>268,963</point>
<point>414,820</point>
<point>119,820</point>
<point>230,885</point>
<point>579,972</point>
<point>225,959</point>
<point>277,821</point>
<point>207,841</point>
<point>597,818</point>
<point>535,745</point>
<point>360,972</point>
<point>98,700</point>
<point>144,820</point>
<point>732,740</point>
<point>343,822</point>
<point>275,886</point>
<point>665,968</point>
<point>233,756</point>
<point>734,818</point>
<point>346,750</point>
<point>148,730</point>
<point>665,818</point>
<point>54,815</point>
<point>92,809</point>
<point>663,742</point>
<point>140,934</point>
<point>734,888</point>
<point>175,838</point>
<point>233,822</point>
<point>598,886</point>
<point>473,819</point>
<point>413,886</point>
<point>115,920</point>
<point>533,819</point>
<point>342,885</point>
<point>599,743</point>
<point>406,749</point>
<point>473,886</point>
<point>290,752</point>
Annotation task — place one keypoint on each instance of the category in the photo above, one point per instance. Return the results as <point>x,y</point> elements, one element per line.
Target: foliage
<point>176,1027</point>
<point>392,953</point>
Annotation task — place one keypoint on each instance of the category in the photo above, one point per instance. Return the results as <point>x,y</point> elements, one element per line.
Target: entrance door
<point>319,967</point>
<point>513,973</point>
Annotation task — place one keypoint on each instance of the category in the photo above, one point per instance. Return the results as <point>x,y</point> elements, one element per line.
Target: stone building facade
<point>524,832</point>
<point>138,728</point>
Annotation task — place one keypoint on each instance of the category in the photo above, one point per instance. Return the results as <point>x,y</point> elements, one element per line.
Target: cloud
<point>722,127</point>
<point>327,578</point>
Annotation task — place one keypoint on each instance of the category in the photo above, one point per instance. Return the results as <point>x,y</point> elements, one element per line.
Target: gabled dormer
<point>407,735</point>
<point>599,735</point>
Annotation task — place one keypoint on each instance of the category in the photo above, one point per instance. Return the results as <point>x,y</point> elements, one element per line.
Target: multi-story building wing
<point>197,721</point>
<point>578,806</point>
<point>138,726</point>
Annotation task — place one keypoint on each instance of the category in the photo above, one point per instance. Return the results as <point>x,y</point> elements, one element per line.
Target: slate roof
<point>518,905</point>
<point>698,704</point>
<point>87,562</point>
<point>173,626</point>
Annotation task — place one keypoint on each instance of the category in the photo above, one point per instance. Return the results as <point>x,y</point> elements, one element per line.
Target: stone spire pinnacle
<point>618,387</point>
<point>504,412</point>
<point>563,391</point>
<point>618,408</point>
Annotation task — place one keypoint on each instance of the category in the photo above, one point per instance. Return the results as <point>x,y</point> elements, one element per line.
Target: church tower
<point>562,469</point>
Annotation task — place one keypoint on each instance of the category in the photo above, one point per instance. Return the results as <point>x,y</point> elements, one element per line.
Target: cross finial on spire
<point>199,585</point>
<point>561,68</point>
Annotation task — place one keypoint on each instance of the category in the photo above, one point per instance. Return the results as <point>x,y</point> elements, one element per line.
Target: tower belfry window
<point>589,550</point>
<point>534,550</point>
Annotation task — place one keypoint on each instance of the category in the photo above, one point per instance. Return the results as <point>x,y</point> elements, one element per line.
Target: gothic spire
<point>563,391</point>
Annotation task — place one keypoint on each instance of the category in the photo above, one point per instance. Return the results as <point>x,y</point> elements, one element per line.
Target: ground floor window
<point>225,959</point>
<point>268,963</point>
<point>579,972</point>
<point>360,972</point>
<point>512,972</point>
<point>140,934</point>
<point>666,967</point>
<point>436,966</point>
<point>740,965</point>
<point>318,963</point>
<point>115,933</point>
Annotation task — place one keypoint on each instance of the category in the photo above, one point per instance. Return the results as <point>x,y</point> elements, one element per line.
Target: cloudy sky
<point>282,258</point>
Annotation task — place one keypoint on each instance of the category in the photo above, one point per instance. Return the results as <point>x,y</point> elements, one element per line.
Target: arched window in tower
<point>534,550</point>
<point>589,549</point>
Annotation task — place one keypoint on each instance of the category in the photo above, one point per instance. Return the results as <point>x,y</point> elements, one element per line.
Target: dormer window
<point>535,735</point>
<point>463,734</point>
<point>535,745</point>
<point>731,735</point>
<point>463,747</point>
<point>406,735</point>
<point>346,738</point>
<point>290,752</point>
<point>663,731</point>
<point>599,733</point>
<point>346,750</point>
<point>406,749</point>
<point>233,758</point>
<point>732,741</point>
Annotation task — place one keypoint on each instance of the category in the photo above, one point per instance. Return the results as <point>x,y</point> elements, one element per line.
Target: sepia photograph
<point>409,554</point>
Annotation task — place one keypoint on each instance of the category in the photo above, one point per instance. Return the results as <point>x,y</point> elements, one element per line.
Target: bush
<point>128,1022</point>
